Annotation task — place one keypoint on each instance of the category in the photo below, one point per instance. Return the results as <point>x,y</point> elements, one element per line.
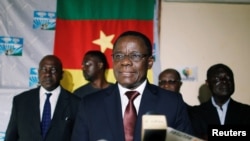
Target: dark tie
<point>46,118</point>
<point>130,116</point>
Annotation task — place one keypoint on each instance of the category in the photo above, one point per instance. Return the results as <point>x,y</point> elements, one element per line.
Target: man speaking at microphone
<point>115,113</point>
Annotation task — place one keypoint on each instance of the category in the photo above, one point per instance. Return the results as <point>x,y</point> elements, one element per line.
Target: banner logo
<point>2,135</point>
<point>33,80</point>
<point>44,20</point>
<point>11,46</point>
<point>189,73</point>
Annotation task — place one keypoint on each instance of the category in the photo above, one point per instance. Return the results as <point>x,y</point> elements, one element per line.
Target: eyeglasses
<point>221,78</point>
<point>135,57</point>
<point>52,70</point>
<point>169,82</point>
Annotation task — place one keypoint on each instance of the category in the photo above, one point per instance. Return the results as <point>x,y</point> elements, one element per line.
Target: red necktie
<point>130,116</point>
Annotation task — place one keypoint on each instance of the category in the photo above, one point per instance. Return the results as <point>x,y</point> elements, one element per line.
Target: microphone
<point>154,128</point>
<point>175,135</point>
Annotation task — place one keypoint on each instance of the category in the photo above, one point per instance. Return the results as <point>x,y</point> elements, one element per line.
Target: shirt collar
<point>140,88</point>
<point>224,106</point>
<point>55,91</point>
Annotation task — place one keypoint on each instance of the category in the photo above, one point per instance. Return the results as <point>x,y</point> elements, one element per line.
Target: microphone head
<point>154,127</point>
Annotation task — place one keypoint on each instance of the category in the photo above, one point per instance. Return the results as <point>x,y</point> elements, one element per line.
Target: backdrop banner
<point>32,29</point>
<point>26,35</point>
<point>80,29</point>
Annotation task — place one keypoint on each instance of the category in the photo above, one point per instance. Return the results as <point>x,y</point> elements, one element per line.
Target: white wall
<point>203,34</point>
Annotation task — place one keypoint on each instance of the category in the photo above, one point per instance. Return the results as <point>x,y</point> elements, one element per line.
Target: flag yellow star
<point>104,41</point>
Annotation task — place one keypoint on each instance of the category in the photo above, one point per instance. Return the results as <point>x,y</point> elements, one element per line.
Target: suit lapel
<point>148,104</point>
<point>211,113</point>
<point>62,103</point>
<point>60,112</point>
<point>113,101</point>
<point>231,114</point>
<point>34,116</point>
<point>149,100</point>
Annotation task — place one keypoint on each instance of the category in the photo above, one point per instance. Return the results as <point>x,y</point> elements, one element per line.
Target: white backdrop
<point>26,35</point>
<point>203,34</point>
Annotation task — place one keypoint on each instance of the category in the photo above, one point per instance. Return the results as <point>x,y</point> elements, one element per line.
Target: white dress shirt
<point>221,110</point>
<point>53,99</point>
<point>124,98</point>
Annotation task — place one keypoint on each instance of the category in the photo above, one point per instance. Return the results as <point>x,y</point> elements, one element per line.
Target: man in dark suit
<point>221,109</point>
<point>101,114</point>
<point>170,79</point>
<point>27,109</point>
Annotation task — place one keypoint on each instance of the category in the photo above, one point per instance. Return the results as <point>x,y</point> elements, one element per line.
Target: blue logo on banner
<point>2,135</point>
<point>44,20</point>
<point>11,46</point>
<point>33,82</point>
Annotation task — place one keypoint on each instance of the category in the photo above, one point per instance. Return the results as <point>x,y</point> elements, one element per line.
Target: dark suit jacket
<point>206,114</point>
<point>100,114</point>
<point>24,124</point>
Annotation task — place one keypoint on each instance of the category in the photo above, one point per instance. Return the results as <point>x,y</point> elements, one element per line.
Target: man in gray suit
<point>27,109</point>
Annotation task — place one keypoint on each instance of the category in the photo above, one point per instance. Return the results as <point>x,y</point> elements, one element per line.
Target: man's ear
<point>181,83</point>
<point>206,82</point>
<point>150,62</point>
<point>62,75</point>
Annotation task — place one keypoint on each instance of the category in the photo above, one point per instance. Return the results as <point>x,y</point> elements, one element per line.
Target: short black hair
<point>178,75</point>
<point>145,39</point>
<point>54,57</point>
<point>99,55</point>
<point>214,68</point>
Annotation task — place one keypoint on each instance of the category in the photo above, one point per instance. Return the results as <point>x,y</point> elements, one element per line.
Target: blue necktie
<point>46,118</point>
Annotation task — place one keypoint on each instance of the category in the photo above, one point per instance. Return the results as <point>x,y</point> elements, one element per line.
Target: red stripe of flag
<point>73,38</point>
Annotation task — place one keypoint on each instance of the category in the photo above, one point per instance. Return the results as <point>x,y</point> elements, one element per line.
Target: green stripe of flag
<point>105,9</point>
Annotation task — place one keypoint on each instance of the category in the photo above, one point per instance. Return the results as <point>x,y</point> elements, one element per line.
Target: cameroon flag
<point>84,25</point>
